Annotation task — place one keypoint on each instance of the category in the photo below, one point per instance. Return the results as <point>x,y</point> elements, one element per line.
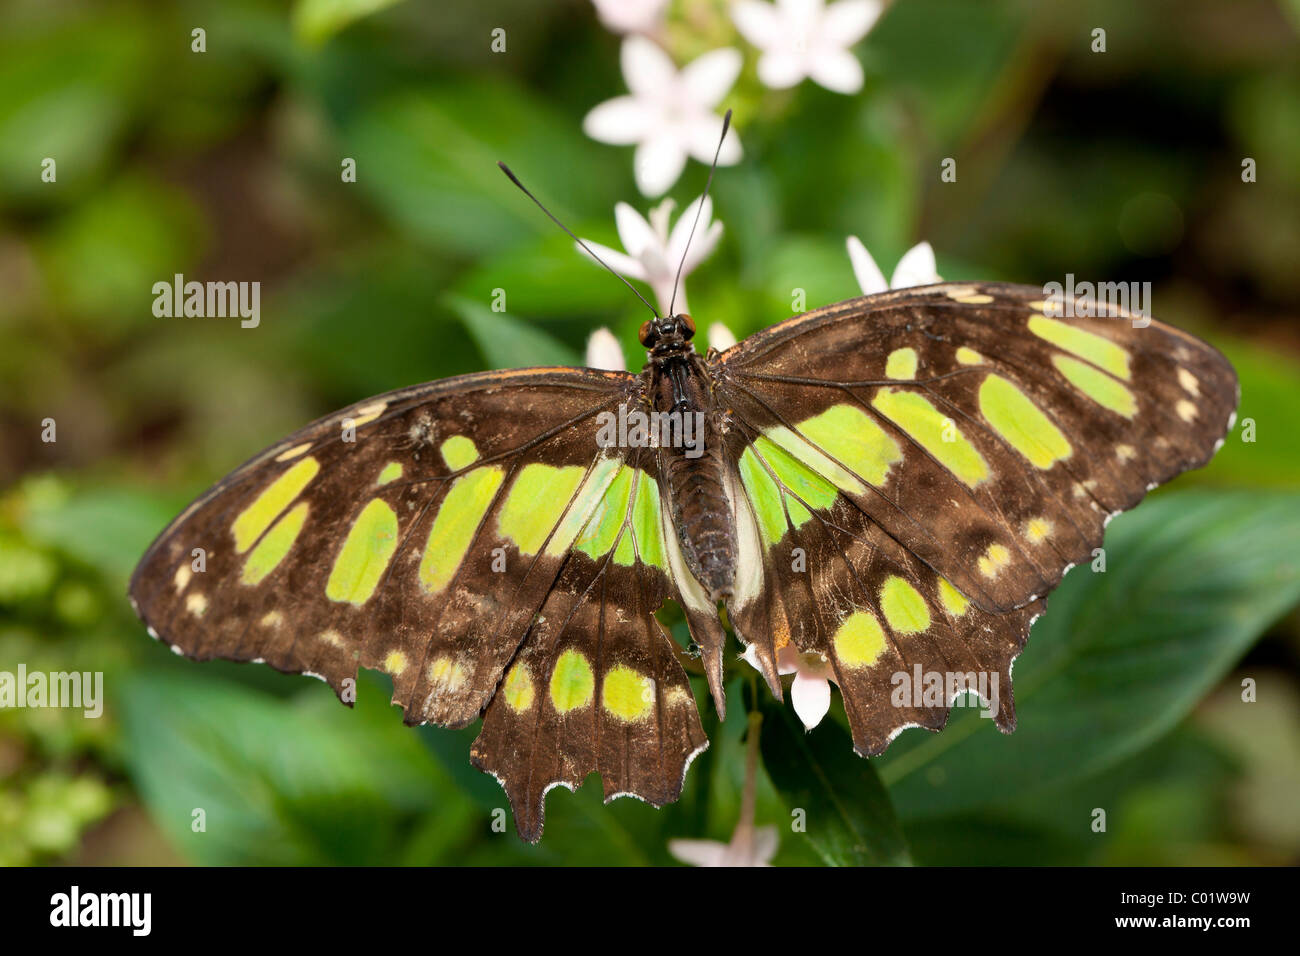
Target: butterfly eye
<point>646,334</point>
<point>688,325</point>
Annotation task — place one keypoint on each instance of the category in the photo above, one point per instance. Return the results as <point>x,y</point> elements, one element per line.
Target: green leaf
<point>428,158</point>
<point>850,818</point>
<point>315,21</point>
<point>1192,580</point>
<point>106,527</point>
<point>1270,403</point>
<point>303,781</point>
<point>507,342</point>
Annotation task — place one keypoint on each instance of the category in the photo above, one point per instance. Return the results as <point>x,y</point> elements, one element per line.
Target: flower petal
<point>620,121</point>
<point>660,217</point>
<point>915,268</point>
<point>759,23</point>
<point>800,16</point>
<point>703,132</point>
<point>811,697</point>
<point>603,351</point>
<point>630,16</point>
<point>698,852</point>
<point>647,70</point>
<point>870,279</point>
<point>847,22</point>
<point>780,70</point>
<point>636,234</point>
<point>787,659</point>
<point>682,229</point>
<point>722,338</point>
<point>710,77</point>
<point>659,161</point>
<point>837,70</point>
<point>702,247</point>
<point>624,265</point>
<point>765,843</point>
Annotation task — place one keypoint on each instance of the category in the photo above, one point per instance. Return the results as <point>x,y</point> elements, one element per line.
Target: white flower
<point>630,16</point>
<point>603,351</point>
<point>749,846</point>
<point>669,114</point>
<point>806,38</point>
<point>721,337</point>
<point>654,251</point>
<point>915,268</point>
<point>810,693</point>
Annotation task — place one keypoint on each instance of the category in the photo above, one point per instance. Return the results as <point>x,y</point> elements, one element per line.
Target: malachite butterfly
<point>892,482</point>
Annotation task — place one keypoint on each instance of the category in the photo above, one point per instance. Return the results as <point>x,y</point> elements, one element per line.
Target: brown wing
<point>939,457</point>
<point>440,533</point>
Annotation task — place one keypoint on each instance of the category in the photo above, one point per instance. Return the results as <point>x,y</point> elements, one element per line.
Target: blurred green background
<point>226,165</point>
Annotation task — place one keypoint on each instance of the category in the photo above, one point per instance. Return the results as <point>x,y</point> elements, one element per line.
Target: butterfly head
<point>667,335</point>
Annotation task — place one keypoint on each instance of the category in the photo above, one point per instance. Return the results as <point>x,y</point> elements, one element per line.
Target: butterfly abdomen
<point>703,518</point>
<point>694,471</point>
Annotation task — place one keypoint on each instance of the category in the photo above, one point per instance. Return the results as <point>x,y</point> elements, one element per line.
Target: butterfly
<point>891,481</point>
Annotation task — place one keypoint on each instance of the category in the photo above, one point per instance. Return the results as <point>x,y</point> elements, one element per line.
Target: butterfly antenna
<point>515,179</point>
<point>677,280</point>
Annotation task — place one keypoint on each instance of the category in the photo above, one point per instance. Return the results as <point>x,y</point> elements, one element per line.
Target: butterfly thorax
<point>691,463</point>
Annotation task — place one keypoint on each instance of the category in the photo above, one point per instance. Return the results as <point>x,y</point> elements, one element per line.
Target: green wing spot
<point>904,607</point>
<point>459,452</point>
<point>916,416</point>
<point>901,364</point>
<point>849,435</point>
<point>809,461</point>
<point>454,528</point>
<point>627,694</point>
<point>572,682</point>
<point>257,517</point>
<point>608,517</point>
<point>764,496</point>
<point>392,471</point>
<point>860,640</point>
<point>582,504</point>
<point>535,504</point>
<point>518,688</point>
<point>777,506</point>
<point>954,601</point>
<point>1017,419</point>
<point>1098,386</point>
<point>647,525</point>
<point>366,552</point>
<point>1099,351</point>
<point>274,547</point>
<point>796,476</point>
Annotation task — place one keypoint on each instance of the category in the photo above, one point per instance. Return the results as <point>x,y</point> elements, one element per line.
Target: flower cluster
<point>670,114</point>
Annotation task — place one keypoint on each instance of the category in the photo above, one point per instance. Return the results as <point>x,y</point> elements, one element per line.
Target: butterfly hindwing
<point>596,686</point>
<point>921,467</point>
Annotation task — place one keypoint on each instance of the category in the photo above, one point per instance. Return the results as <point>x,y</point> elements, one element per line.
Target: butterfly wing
<point>473,539</point>
<point>941,456</point>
